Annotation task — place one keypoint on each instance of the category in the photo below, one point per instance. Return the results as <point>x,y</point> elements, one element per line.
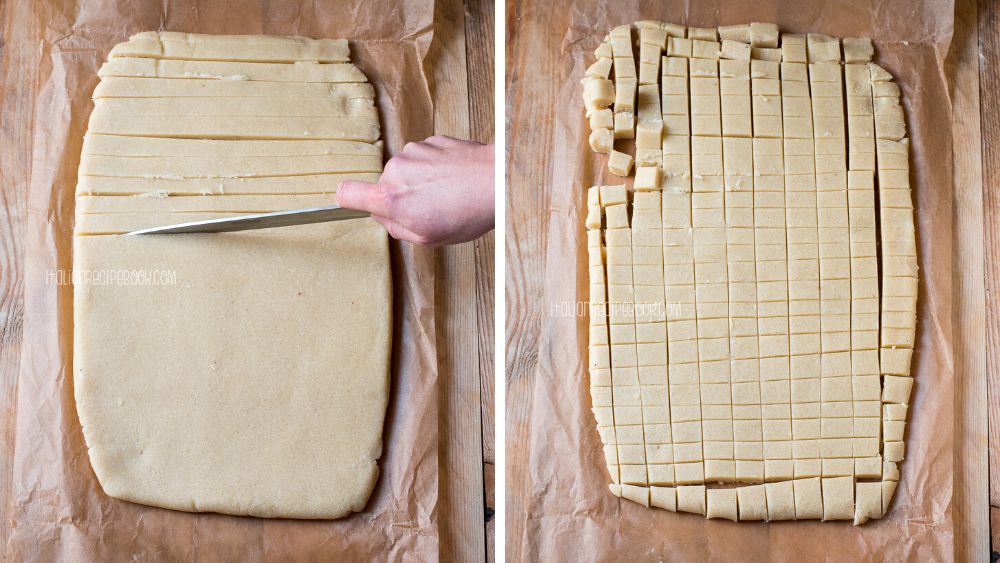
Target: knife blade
<point>259,221</point>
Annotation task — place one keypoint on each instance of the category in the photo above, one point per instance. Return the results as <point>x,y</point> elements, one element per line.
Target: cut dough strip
<point>246,48</point>
<point>133,87</point>
<point>271,72</point>
<point>226,166</point>
<point>200,203</point>
<point>239,107</point>
<point>119,223</point>
<point>317,184</point>
<point>116,145</point>
<point>341,128</point>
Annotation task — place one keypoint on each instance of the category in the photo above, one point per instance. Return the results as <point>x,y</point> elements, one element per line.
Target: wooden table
<point>461,59</point>
<point>976,99</point>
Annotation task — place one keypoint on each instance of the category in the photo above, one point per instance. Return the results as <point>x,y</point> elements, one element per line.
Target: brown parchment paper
<point>59,512</point>
<point>569,514</point>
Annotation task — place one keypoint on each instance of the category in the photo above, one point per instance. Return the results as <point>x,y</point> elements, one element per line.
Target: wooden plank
<point>462,507</point>
<point>479,34</point>
<point>532,73</point>
<point>18,68</point>
<point>989,43</point>
<point>995,532</point>
<point>971,478</point>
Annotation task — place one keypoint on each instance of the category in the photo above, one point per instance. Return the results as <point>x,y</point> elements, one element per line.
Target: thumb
<point>363,196</point>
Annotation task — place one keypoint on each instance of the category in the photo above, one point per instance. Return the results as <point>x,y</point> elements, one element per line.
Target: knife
<point>259,221</point>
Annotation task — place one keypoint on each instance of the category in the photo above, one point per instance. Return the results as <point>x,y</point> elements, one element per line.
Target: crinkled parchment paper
<point>59,512</point>
<point>570,515</point>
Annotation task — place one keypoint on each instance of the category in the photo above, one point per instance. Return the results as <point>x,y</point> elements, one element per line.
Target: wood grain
<point>989,82</point>
<point>17,78</point>
<point>531,75</point>
<point>971,475</point>
<point>462,506</point>
<point>479,40</point>
<point>989,42</point>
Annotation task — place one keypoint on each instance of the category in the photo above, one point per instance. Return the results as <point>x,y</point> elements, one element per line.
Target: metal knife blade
<point>259,221</point>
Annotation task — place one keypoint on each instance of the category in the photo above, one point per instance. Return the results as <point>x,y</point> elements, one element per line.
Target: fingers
<point>400,232</point>
<point>363,196</point>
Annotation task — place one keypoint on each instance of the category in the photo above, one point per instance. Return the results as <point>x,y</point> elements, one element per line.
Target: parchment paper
<point>59,511</point>
<point>570,515</point>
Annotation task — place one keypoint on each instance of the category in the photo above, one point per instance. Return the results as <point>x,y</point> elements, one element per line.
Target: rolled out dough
<point>256,384</point>
<point>243,373</point>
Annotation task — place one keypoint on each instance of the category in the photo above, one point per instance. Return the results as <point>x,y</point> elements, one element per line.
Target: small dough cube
<point>703,33</point>
<point>653,36</point>
<point>780,500</point>
<point>691,499</point>
<point>722,504</point>
<point>752,502</point>
<point>705,49</point>
<point>739,33</point>
<point>647,178</point>
<point>624,125</point>
<point>598,93</point>
<point>602,119</point>
<point>602,141</point>
<point>888,489</point>
<point>791,53</point>
<point>663,497</point>
<point>613,195</point>
<point>823,48</point>
<point>894,451</point>
<point>766,54</point>
<point>649,134</point>
<point>678,47</point>
<point>896,361</point>
<point>808,499</point>
<point>763,35</point>
<point>868,502</point>
<point>624,68</point>
<point>617,218</point>
<point>896,389</point>
<point>636,494</point>
<point>735,50</point>
<point>838,498</point>
<point>624,94</point>
<point>600,69</point>
<point>620,164</point>
<point>858,50</point>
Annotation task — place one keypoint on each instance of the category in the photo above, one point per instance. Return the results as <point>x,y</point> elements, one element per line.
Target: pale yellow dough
<point>246,387</point>
<point>751,330</point>
<point>243,373</point>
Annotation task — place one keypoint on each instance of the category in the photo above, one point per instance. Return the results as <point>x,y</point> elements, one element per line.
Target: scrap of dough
<point>220,70</point>
<point>342,128</point>
<point>224,421</point>
<point>316,184</point>
<point>247,48</point>
<point>330,106</point>
<point>132,87</point>
<point>226,166</point>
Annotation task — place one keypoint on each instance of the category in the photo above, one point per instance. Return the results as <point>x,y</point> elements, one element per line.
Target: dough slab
<point>752,323</point>
<point>243,373</point>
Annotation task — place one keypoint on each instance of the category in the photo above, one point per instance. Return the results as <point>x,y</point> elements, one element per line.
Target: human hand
<point>435,192</point>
